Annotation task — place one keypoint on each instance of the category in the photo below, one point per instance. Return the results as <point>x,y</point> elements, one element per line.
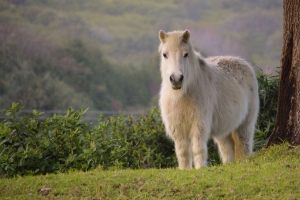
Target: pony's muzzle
<point>176,81</point>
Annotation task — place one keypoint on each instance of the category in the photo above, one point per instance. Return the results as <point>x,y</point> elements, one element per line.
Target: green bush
<point>63,142</point>
<point>60,143</point>
<point>268,98</point>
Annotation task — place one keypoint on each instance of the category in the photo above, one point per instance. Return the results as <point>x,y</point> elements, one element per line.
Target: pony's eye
<point>165,55</point>
<point>185,55</point>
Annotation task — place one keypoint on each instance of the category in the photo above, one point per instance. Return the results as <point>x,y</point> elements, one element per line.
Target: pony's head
<point>175,51</point>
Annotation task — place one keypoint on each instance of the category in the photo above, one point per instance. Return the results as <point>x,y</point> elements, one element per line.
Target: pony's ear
<point>162,36</point>
<point>186,36</point>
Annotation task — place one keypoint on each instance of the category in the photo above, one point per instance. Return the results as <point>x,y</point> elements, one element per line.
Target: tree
<point>287,125</point>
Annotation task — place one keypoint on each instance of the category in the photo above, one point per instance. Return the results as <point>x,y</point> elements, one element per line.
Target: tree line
<point>44,76</point>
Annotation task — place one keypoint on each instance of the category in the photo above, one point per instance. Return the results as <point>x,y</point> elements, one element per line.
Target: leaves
<point>64,142</point>
<point>29,145</point>
<point>268,97</point>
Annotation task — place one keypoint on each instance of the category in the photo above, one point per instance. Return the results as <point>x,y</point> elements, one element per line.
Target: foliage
<point>103,54</point>
<point>268,99</point>
<point>29,145</point>
<point>60,143</point>
<point>41,76</point>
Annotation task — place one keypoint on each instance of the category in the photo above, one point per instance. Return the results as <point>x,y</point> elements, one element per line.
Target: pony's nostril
<point>172,78</point>
<point>181,78</point>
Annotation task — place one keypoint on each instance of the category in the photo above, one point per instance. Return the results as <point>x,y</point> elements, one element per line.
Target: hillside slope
<point>72,43</point>
<point>269,174</point>
<point>128,32</point>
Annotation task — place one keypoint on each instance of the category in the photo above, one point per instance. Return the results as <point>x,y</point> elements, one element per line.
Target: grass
<point>272,173</point>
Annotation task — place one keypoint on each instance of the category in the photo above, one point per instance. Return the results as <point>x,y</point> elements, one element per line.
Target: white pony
<point>206,97</point>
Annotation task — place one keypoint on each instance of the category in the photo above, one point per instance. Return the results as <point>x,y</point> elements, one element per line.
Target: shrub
<point>268,98</point>
<point>30,146</point>
<point>63,142</point>
<point>60,143</point>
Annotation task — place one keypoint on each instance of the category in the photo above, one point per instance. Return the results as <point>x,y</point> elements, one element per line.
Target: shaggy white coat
<point>218,98</point>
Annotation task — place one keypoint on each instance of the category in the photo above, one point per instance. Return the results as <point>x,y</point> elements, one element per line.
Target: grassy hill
<point>128,32</point>
<point>268,174</point>
<point>103,54</point>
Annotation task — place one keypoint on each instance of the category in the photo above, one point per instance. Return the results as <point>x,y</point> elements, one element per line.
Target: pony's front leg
<point>199,138</point>
<point>183,153</point>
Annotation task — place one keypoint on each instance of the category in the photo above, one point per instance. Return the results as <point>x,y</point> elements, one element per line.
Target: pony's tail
<point>239,146</point>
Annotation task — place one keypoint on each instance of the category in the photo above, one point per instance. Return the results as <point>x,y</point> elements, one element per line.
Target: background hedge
<point>60,143</point>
